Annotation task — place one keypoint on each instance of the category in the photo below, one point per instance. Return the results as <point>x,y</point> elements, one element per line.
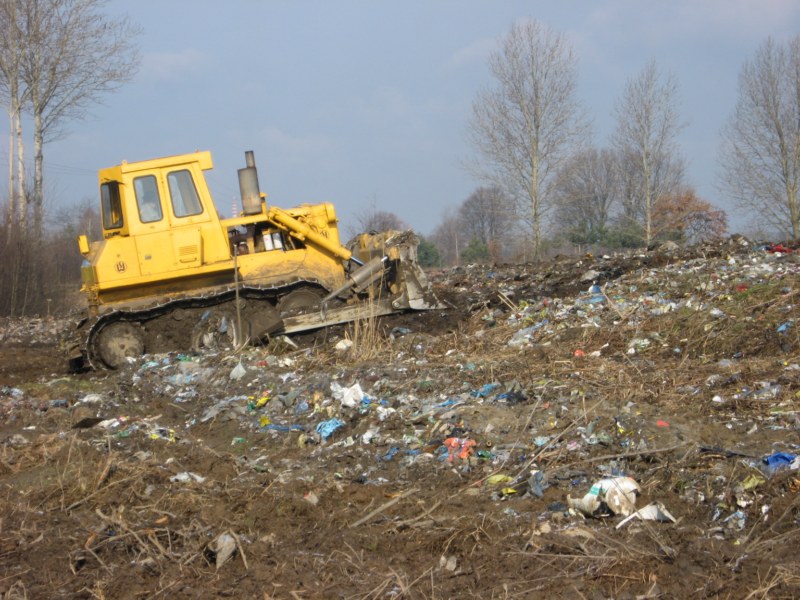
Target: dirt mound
<point>453,453</point>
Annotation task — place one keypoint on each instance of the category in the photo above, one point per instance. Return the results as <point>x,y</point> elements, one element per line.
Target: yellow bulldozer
<point>170,274</point>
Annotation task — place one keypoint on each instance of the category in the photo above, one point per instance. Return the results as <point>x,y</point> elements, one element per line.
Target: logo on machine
<point>121,266</point>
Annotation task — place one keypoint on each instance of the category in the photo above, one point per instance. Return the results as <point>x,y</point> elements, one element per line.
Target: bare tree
<point>586,191</point>
<point>14,94</point>
<point>487,217</point>
<point>522,129</point>
<point>647,126</point>
<point>761,141</point>
<point>70,55</point>
<point>449,239</point>
<point>379,220</point>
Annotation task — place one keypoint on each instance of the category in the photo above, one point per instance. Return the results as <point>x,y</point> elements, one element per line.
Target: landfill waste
<point>610,496</point>
<point>344,345</point>
<point>737,520</point>
<point>779,461</point>
<point>187,477</point>
<point>222,548</point>
<point>326,428</point>
<point>652,512</point>
<point>458,448</point>
<point>349,397</point>
<point>238,372</point>
<point>467,433</point>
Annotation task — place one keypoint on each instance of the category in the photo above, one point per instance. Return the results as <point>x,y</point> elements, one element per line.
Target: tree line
<point>545,183</point>
<point>57,58</point>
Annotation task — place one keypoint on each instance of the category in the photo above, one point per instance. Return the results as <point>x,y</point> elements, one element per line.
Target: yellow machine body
<point>169,273</point>
<point>162,236</point>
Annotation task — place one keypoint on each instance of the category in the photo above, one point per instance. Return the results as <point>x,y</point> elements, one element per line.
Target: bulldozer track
<point>87,332</point>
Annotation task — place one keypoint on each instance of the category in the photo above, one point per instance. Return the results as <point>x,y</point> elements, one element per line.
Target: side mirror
<point>83,244</point>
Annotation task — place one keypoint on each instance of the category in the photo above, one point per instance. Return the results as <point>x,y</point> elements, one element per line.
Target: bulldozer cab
<point>158,221</point>
<point>171,191</point>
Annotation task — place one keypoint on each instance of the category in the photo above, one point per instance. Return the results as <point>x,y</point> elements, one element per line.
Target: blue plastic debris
<point>282,428</point>
<point>784,327</point>
<point>181,379</point>
<point>537,484</point>
<point>390,454</point>
<point>524,335</point>
<point>326,428</point>
<point>485,391</point>
<point>512,397</point>
<point>780,460</point>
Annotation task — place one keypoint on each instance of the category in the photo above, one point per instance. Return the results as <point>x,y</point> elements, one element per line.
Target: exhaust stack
<point>248,186</point>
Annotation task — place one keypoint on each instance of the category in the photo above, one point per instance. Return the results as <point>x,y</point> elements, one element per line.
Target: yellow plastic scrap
<point>264,421</point>
<point>507,491</point>
<point>752,481</point>
<point>498,479</point>
<point>160,435</point>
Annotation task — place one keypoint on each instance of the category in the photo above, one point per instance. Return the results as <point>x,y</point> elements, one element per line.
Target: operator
<point>150,208</point>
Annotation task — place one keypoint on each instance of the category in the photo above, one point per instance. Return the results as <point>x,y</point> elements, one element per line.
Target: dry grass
<point>365,335</point>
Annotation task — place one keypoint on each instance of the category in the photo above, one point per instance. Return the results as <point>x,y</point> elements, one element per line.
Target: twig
<point>422,515</point>
<point>563,432</point>
<point>383,507</point>
<point>14,575</point>
<point>781,297</point>
<point>788,511</point>
<point>117,520</point>
<point>507,302</point>
<point>241,550</point>
<point>82,500</point>
<point>624,455</point>
<point>611,303</point>
<point>99,560</point>
<point>105,473</point>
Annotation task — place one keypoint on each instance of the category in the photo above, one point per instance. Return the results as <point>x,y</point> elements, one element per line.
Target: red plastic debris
<point>774,248</point>
<point>461,447</point>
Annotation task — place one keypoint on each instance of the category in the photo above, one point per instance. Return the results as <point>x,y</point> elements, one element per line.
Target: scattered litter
<point>187,477</point>
<point>92,399</point>
<point>348,397</point>
<point>222,548</point>
<point>326,428</point>
<point>343,345</point>
<point>612,496</point>
<point>499,478</point>
<point>651,512</point>
<point>459,448</point>
<point>780,461</point>
<point>448,563</point>
<point>238,372</point>
<point>737,520</point>
<point>441,410</point>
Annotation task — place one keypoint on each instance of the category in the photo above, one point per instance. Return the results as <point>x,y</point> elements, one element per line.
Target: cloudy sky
<point>365,103</point>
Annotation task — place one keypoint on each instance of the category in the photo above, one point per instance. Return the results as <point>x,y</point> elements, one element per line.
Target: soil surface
<point>431,455</point>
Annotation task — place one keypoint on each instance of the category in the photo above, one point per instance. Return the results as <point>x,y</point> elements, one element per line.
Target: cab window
<point>111,205</point>
<point>147,199</point>
<point>185,201</point>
